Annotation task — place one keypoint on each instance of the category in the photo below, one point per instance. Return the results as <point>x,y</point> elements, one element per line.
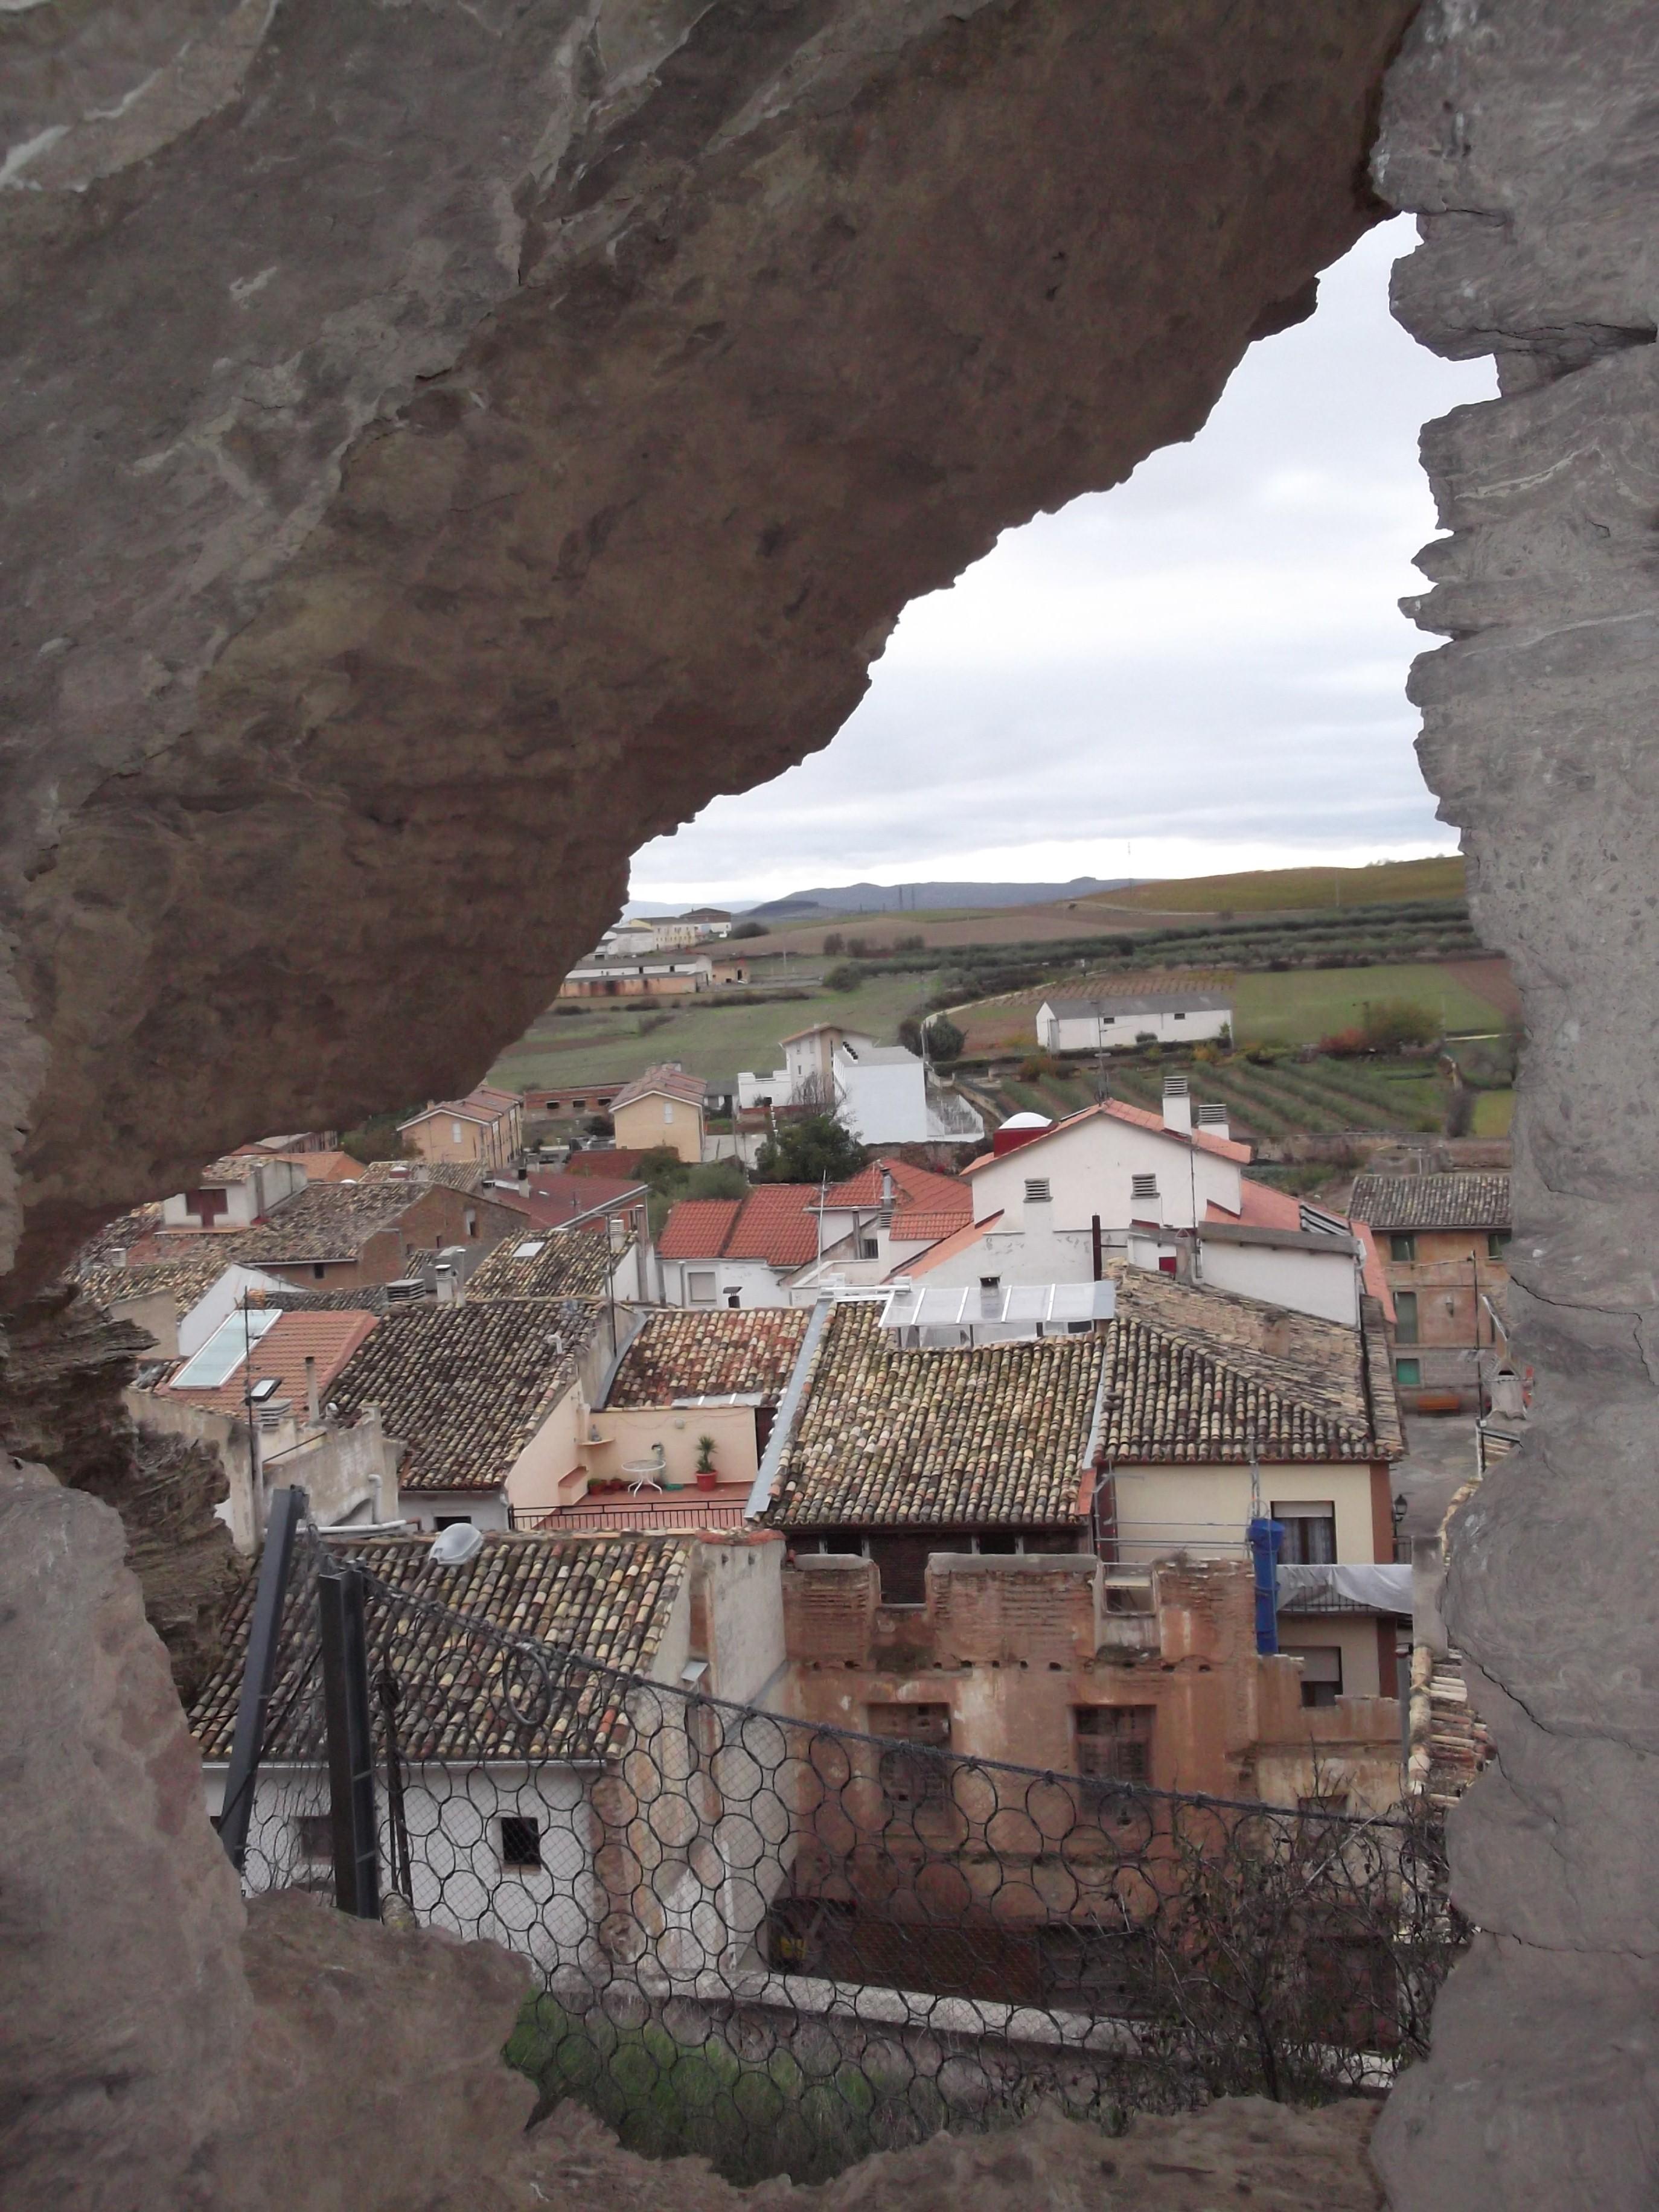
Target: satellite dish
<point>455,1545</point>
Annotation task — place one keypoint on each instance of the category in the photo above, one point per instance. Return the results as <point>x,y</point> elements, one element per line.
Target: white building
<point>883,1094</point>
<point>532,1836</point>
<point>1055,1201</point>
<point>1116,1023</point>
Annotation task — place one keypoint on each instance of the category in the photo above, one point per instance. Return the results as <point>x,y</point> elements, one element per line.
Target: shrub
<point>917,944</point>
<point>834,942</point>
<point>846,977</point>
<point>1344,1044</point>
<point>858,948</point>
<point>599,1125</point>
<point>747,929</point>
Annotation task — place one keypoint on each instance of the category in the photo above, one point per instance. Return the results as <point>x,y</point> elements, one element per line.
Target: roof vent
<point>1038,1190</point>
<point>1215,1119</point>
<point>454,1546</point>
<point>1144,1186</point>
<point>1177,1106</point>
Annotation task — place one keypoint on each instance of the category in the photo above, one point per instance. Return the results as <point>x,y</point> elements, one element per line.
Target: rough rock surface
<point>1525,133</point>
<point>448,443</point>
<point>64,1365</point>
<point>125,2002</point>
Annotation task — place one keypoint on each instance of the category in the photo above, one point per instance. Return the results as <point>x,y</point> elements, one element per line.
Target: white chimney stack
<point>314,1409</point>
<point>1214,1119</point>
<point>1177,1106</point>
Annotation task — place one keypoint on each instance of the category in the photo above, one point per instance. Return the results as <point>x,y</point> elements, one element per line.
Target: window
<point>918,1776</point>
<point>1498,1244</point>
<point>441,1521</point>
<point>1179,1017</point>
<point>1408,1374</point>
<point>734,1299</point>
<point>471,1221</point>
<point>990,1282</point>
<point>901,1563</point>
<point>700,1286</point>
<point>578,1105</point>
<point>314,1838</point>
<point>913,1723</point>
<point>1115,1742</point>
<point>266,1387</point>
<point>1405,1317</point>
<point>868,1248</point>
<point>207,1205</point>
<point>668,1109</point>
<point>1321,1671</point>
<point>1402,1247</point>
<point>454,1133</point>
<point>1310,1532</point>
<point>1037,1190</point>
<point>318,1270</point>
<point>521,1842</point>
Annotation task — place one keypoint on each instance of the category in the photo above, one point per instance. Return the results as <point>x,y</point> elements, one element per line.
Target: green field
<point>1302,1005</point>
<point>604,1043</point>
<point>1273,891</point>
<point>1493,1110</point>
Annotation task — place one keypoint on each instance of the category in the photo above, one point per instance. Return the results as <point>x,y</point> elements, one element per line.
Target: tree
<point>844,978</point>
<point>807,1151</point>
<point>945,1040</point>
<point>747,929</point>
<point>834,945</point>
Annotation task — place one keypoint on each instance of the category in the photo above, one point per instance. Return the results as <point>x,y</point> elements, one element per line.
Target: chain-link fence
<point>783,1946</point>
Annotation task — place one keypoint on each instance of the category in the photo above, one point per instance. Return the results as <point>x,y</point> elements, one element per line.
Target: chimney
<point>1177,1106</point>
<point>444,1283</point>
<point>313,1409</point>
<point>1214,1119</point>
<point>887,1185</point>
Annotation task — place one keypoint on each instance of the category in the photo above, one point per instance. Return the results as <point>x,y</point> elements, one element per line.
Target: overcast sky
<point>1203,669</point>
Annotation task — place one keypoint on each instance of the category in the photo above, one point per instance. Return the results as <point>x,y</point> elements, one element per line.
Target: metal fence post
<point>350,1743</point>
<point>289,1507</point>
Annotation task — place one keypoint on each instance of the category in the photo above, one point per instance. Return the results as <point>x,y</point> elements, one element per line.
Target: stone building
<point>1444,1242</point>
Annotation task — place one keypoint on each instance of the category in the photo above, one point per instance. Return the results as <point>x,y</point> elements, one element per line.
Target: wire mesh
<point>783,1946</point>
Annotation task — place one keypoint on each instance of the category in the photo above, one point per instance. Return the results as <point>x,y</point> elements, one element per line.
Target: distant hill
<point>923,898</point>
<point>1273,891</point>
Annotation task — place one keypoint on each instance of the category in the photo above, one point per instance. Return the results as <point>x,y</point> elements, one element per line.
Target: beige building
<point>486,1126</point>
<point>663,1106</point>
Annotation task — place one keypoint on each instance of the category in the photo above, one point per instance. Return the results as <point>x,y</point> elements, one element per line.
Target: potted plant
<point>707,1478</point>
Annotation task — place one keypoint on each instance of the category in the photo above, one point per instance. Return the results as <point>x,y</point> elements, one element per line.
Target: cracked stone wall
<point>1525,133</point>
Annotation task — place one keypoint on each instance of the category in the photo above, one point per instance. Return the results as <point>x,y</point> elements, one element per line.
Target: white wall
<point>883,1102</point>
<point>1089,1169</point>
<point>755,1284</point>
<point>1086,1033</point>
<point>424,1508</point>
<point>1325,1284</point>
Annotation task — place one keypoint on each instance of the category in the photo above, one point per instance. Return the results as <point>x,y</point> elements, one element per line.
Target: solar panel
<point>1021,1305</point>
<point>225,1350</point>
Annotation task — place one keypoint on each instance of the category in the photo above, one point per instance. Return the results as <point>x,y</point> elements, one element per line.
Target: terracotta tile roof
<point>567,1263</point>
<point>481,1104</point>
<point>609,1597</point>
<point>925,1204</point>
<point>187,1281</point>
<point>326,1221</point>
<point>549,1199</point>
<point>962,1238</point>
<point>459,1175</point>
<point>279,1356</point>
<point>687,1355</point>
<point>1225,1148</point>
<point>1433,1201</point>
<point>118,1236</point>
<point>1201,1377</point>
<point>661,1082</point>
<point>997,1436</point>
<point>465,1387</point>
<point>697,1228</point>
<point>773,1224</point>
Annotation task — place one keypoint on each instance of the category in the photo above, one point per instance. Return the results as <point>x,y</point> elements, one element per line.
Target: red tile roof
<point>962,1238</point>
<point>280,1355</point>
<point>662,1082</point>
<point>549,1199</point>
<point>925,1204</point>
<point>1225,1148</point>
<point>772,1224</point>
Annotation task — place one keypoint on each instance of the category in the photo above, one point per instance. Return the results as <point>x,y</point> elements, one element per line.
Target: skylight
<point>225,1349</point>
